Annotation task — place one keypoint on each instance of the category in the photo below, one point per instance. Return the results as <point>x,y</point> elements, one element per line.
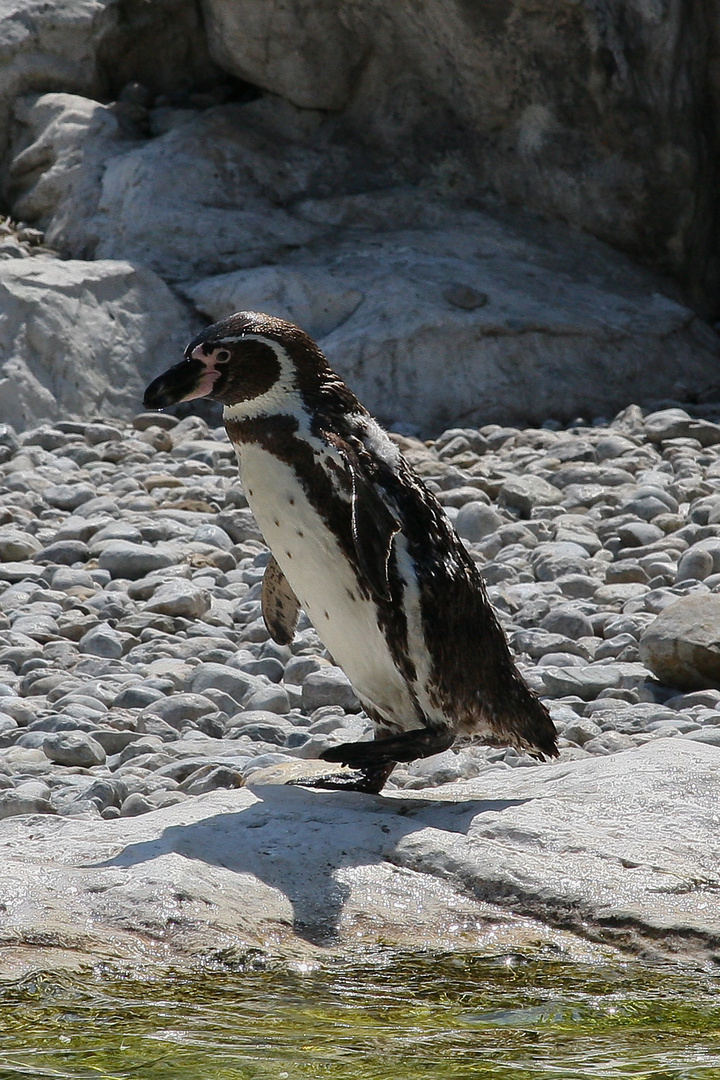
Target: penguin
<point>362,545</point>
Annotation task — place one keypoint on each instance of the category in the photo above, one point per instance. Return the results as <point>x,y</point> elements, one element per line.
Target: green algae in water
<point>405,1017</point>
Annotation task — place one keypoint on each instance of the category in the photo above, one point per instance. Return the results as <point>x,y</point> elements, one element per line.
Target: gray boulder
<point>87,47</point>
<point>573,110</point>
<point>682,645</point>
<point>206,196</point>
<point>73,748</point>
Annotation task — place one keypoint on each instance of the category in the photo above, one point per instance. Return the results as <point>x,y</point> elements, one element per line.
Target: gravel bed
<point>135,668</point>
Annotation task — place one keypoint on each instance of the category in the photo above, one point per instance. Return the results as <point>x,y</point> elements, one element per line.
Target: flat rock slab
<point>622,851</point>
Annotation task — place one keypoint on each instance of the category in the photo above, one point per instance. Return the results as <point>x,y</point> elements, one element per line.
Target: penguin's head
<point>237,360</point>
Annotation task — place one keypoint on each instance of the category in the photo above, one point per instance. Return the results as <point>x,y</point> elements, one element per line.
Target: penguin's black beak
<point>179,383</point>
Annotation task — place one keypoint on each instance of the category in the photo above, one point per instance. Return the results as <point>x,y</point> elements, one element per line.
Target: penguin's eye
<point>222,356</point>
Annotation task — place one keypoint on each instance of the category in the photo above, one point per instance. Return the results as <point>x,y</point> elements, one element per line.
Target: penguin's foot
<point>370,780</point>
<point>420,743</point>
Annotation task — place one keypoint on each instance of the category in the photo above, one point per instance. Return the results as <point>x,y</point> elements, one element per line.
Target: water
<point>398,1017</point>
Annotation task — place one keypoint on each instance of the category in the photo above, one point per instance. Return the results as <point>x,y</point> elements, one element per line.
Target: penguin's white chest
<point>324,581</point>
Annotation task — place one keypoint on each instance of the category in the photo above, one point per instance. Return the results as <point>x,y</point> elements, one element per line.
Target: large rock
<point>95,46</point>
<point>623,849</point>
<point>209,195</point>
<point>466,316</point>
<point>441,311</point>
<point>82,339</point>
<point>54,177</point>
<point>682,645</point>
<point>599,114</point>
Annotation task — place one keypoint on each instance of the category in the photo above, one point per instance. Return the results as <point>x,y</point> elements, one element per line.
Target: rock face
<point>340,195</point>
<point>431,311</point>
<point>81,339</point>
<point>96,46</point>
<point>609,849</point>
<point>602,114</point>
<point>534,332</point>
<point>207,195</point>
<point>599,114</point>
<point>682,646</point>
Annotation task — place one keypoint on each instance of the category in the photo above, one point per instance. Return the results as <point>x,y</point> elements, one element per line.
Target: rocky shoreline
<point>137,680</point>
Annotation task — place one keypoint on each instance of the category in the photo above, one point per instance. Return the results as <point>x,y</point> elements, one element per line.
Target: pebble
<point>73,748</point>
<point>328,686</point>
<point>180,599</point>
<point>136,670</point>
<point>125,559</point>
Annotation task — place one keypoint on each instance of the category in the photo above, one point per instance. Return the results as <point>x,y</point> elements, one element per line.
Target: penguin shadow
<point>303,843</point>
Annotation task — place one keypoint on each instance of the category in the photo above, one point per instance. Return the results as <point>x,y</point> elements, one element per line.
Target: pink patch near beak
<point>210,377</point>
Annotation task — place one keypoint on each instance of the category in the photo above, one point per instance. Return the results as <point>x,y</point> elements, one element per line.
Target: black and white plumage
<point>363,546</point>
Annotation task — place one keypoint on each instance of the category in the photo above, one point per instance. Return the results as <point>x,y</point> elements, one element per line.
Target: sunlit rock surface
<point>622,850</point>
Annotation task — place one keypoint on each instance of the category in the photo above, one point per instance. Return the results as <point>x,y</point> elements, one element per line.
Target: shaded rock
<point>695,564</point>
<point>212,777</point>
<point>638,533</point>
<point>86,47</point>
<point>682,646</point>
<point>521,120</point>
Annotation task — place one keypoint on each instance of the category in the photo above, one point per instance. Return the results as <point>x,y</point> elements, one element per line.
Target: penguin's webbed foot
<point>370,780</point>
<point>419,743</point>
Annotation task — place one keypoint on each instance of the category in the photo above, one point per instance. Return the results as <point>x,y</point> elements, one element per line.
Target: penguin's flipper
<point>280,607</point>
<point>373,528</point>
<point>373,523</point>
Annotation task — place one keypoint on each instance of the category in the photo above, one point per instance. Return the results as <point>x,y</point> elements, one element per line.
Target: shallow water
<point>400,1017</point>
